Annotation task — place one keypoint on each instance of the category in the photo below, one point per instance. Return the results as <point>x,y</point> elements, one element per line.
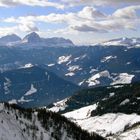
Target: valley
<point>94,88</point>
<point>69,69</point>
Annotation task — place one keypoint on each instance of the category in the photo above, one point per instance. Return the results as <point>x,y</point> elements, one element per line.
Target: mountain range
<point>88,66</point>
<point>96,87</point>
<point>32,40</point>
<point>129,42</point>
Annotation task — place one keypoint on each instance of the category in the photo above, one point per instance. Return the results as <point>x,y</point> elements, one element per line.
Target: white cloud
<point>121,19</point>
<point>64,3</point>
<point>88,19</point>
<point>88,28</point>
<point>98,2</point>
<point>42,3</point>
<point>91,13</point>
<point>28,27</point>
<point>127,12</point>
<point>87,13</point>
<point>7,30</point>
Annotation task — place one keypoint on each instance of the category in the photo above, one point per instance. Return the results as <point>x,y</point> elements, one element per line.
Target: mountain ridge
<point>18,123</point>
<point>34,40</point>
<point>124,41</point>
<point>33,86</point>
<point>9,39</point>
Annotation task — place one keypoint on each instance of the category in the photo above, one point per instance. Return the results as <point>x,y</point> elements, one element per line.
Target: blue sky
<point>82,21</point>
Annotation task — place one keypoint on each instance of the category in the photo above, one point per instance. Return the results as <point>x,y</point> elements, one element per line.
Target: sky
<point>82,21</point>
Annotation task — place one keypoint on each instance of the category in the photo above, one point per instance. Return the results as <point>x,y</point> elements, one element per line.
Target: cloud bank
<point>99,2</point>
<point>41,3</point>
<point>89,19</point>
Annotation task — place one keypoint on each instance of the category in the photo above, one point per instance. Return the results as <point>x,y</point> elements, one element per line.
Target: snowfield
<point>74,68</point>
<point>128,42</point>
<point>12,128</point>
<point>70,74</point>
<point>94,80</point>
<point>131,134</point>
<point>125,102</point>
<point>29,65</point>
<point>50,65</point>
<point>59,106</point>
<point>23,100</point>
<point>108,125</point>
<point>13,101</point>
<point>82,113</point>
<point>123,78</point>
<point>31,91</point>
<point>108,58</point>
<point>63,59</point>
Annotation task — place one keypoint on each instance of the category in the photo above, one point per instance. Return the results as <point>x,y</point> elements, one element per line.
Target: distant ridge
<point>124,41</point>
<point>34,40</point>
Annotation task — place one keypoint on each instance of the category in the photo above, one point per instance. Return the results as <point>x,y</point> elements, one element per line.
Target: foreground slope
<point>113,111</point>
<point>20,124</point>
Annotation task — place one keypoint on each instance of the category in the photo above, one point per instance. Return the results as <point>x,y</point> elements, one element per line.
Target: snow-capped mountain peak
<point>9,39</point>
<point>124,41</point>
<point>32,38</point>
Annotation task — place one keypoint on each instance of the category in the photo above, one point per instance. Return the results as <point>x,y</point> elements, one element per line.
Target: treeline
<point>58,126</point>
<point>130,92</point>
<point>53,120</point>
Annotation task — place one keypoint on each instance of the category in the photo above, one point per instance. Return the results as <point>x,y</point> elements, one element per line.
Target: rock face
<point>58,42</point>
<point>34,40</point>
<point>9,39</point>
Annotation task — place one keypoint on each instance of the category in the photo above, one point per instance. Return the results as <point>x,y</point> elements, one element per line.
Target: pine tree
<point>41,136</point>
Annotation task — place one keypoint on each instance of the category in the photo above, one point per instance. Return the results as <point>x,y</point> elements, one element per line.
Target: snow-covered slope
<point>112,111</point>
<point>63,59</point>
<point>114,126</point>
<point>19,124</point>
<point>123,78</point>
<point>94,79</point>
<point>59,106</point>
<point>129,42</point>
<point>82,113</point>
<point>15,126</point>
